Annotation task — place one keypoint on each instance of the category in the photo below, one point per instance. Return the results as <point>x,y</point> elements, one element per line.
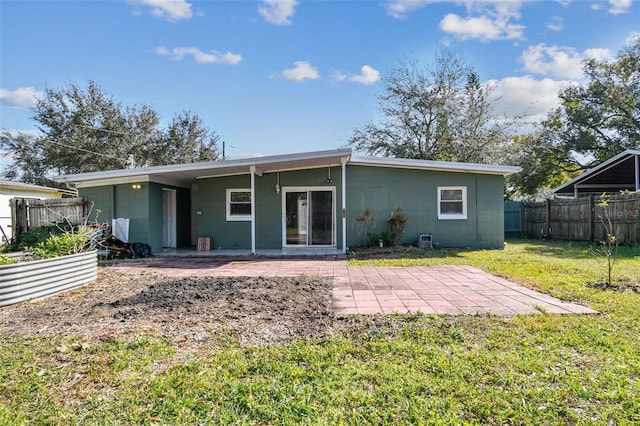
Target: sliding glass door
<point>309,218</point>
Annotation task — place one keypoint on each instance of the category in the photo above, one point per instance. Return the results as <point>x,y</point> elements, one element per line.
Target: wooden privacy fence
<point>581,219</point>
<point>27,213</point>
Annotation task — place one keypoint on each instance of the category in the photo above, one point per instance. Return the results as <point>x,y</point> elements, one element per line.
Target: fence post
<point>547,219</point>
<point>592,219</point>
<point>19,221</point>
<point>522,215</point>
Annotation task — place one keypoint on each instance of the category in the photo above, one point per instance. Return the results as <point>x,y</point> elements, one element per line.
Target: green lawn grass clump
<point>394,369</point>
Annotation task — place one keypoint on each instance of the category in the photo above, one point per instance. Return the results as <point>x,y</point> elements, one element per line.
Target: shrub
<point>367,222</point>
<point>38,235</point>
<point>6,260</point>
<point>397,222</point>
<point>60,245</point>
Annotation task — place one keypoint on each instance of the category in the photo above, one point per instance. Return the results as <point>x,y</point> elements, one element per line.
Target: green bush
<point>60,245</point>
<point>6,260</point>
<point>38,235</point>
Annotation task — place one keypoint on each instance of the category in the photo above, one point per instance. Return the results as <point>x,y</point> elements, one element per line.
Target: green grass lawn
<point>398,369</point>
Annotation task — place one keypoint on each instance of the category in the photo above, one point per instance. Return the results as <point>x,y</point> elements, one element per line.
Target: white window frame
<point>452,216</point>
<point>236,217</point>
<point>308,189</point>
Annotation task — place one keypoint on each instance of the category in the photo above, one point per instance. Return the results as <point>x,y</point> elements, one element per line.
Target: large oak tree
<point>595,121</point>
<point>87,130</point>
<point>442,112</point>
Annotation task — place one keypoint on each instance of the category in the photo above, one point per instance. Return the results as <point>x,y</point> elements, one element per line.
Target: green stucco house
<point>301,202</point>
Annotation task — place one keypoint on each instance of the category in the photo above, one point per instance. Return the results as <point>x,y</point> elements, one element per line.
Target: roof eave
<point>204,167</point>
<point>435,165</point>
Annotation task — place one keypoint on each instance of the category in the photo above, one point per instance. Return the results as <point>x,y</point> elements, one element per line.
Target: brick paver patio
<point>452,290</point>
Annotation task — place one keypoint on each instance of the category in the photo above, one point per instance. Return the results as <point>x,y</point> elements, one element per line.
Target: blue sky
<point>273,77</point>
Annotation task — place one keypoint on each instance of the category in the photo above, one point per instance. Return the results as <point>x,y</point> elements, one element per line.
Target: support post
<point>344,205</point>
<point>253,209</point>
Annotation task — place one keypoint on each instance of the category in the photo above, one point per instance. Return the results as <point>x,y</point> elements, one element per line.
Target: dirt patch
<point>387,252</point>
<point>192,311</point>
<point>621,285</point>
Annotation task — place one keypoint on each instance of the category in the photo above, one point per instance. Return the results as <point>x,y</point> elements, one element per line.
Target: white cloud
<point>401,8</point>
<point>302,71</point>
<point>619,6</point>
<point>278,12</point>
<point>169,10</point>
<point>558,61</point>
<point>492,21</point>
<point>525,97</point>
<point>368,75</point>
<point>213,57</point>
<point>555,23</point>
<point>485,20</point>
<point>483,28</point>
<point>22,97</point>
<point>338,76</point>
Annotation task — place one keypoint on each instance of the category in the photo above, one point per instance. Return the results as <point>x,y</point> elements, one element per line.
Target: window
<point>452,202</point>
<point>238,204</point>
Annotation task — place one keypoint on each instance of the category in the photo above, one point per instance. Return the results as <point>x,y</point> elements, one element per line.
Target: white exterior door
<point>169,218</point>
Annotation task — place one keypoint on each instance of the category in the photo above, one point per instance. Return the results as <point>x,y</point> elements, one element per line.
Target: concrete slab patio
<point>449,290</point>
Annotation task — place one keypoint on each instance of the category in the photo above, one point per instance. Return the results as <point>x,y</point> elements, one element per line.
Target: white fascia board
<point>142,171</point>
<point>112,181</point>
<point>204,167</point>
<point>297,157</point>
<point>445,166</point>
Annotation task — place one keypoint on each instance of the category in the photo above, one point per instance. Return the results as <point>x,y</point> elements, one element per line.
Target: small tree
<point>608,246</point>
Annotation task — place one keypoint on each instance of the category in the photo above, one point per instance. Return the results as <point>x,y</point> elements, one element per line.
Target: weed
<point>92,310</point>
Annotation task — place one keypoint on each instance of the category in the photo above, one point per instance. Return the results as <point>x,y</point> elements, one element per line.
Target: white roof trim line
<point>205,166</point>
<point>434,165</point>
<point>181,174</point>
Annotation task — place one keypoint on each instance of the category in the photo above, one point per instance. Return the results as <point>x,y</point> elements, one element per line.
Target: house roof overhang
<point>618,173</point>
<point>444,166</point>
<point>184,175</point>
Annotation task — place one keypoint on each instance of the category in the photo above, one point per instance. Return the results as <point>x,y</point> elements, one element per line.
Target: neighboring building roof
<point>185,174</point>
<point>619,173</point>
<point>21,186</point>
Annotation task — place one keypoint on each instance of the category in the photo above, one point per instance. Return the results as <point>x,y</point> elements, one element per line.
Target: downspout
<point>253,209</point>
<point>344,204</point>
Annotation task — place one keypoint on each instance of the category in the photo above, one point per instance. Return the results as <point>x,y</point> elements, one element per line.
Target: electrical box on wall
<point>425,241</point>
